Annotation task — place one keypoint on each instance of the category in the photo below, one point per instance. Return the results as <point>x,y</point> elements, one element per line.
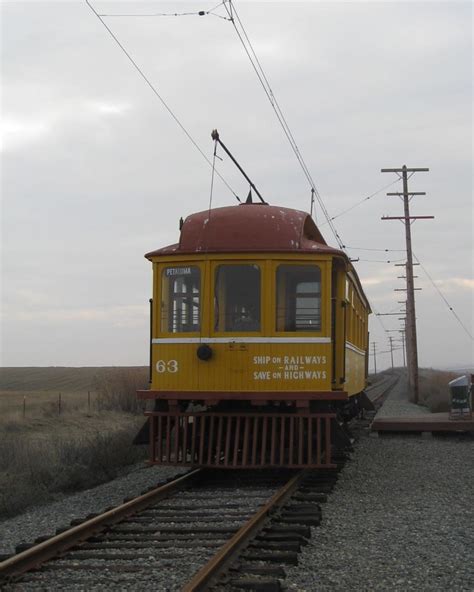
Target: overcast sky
<point>95,172</point>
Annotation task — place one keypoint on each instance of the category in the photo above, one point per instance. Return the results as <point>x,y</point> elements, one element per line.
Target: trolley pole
<point>375,357</point>
<point>411,338</point>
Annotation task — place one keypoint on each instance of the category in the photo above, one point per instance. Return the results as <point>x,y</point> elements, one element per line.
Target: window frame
<point>268,266</point>
<point>325,309</point>
<point>215,264</point>
<point>158,289</point>
<point>322,266</point>
<point>357,317</point>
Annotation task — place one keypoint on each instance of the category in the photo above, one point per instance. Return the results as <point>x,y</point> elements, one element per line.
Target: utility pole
<point>407,343</point>
<point>390,338</point>
<point>412,350</point>
<point>375,357</point>
<point>403,331</point>
<point>398,340</point>
<point>403,347</point>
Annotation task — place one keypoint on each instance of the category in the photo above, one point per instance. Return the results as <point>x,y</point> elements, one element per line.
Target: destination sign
<point>172,271</point>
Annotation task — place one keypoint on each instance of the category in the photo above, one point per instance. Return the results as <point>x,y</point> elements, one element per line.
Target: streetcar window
<point>180,299</point>
<point>237,298</point>
<point>298,298</point>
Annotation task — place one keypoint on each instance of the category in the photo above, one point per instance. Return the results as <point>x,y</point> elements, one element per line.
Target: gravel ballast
<point>44,520</point>
<point>192,525</point>
<point>400,517</point>
<point>398,405</point>
<point>147,566</point>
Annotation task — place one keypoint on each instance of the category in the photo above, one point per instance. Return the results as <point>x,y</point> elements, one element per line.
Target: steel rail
<point>387,384</point>
<point>33,557</point>
<point>377,385</point>
<point>221,560</point>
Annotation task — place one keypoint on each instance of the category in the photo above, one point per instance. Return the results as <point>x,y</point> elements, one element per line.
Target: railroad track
<point>203,530</point>
<point>30,557</point>
<point>378,391</point>
<point>183,535</point>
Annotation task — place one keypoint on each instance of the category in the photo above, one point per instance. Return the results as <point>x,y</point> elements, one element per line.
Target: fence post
<point>24,407</point>
<point>88,402</point>
<point>59,404</point>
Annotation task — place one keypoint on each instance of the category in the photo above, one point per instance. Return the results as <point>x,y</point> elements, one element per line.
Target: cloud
<point>108,108</point>
<point>97,172</point>
<point>17,132</point>
<point>453,284</point>
<point>373,281</point>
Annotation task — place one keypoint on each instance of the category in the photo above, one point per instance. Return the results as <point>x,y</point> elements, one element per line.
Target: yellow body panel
<point>355,370</point>
<point>243,367</point>
<point>269,359</point>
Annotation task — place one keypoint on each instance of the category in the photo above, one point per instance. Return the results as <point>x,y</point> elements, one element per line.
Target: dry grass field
<point>46,448</point>
<point>39,392</point>
<point>54,378</point>
<point>434,390</point>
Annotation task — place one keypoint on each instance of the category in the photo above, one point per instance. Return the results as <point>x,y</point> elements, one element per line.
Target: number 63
<point>167,366</point>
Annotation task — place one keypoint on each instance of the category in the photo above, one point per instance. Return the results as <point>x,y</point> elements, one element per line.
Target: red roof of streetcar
<point>248,228</point>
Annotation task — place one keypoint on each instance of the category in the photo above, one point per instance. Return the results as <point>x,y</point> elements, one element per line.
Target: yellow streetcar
<point>259,341</point>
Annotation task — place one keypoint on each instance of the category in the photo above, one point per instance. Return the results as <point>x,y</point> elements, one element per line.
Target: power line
<point>380,260</point>
<point>377,316</point>
<point>362,201</point>
<point>384,250</point>
<point>443,297</point>
<point>256,65</point>
<point>198,13</point>
<point>160,98</point>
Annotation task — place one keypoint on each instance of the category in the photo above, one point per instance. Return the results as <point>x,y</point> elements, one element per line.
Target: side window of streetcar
<point>237,298</point>
<point>298,298</point>
<point>180,299</point>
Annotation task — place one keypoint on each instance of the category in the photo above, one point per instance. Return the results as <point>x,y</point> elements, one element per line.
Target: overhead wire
<point>256,65</point>
<point>282,120</point>
<point>157,94</point>
<point>259,71</point>
<point>362,201</point>
<point>212,176</point>
<point>255,62</point>
<point>379,319</point>
<point>197,13</point>
<point>384,250</point>
<point>433,283</point>
<point>381,260</point>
